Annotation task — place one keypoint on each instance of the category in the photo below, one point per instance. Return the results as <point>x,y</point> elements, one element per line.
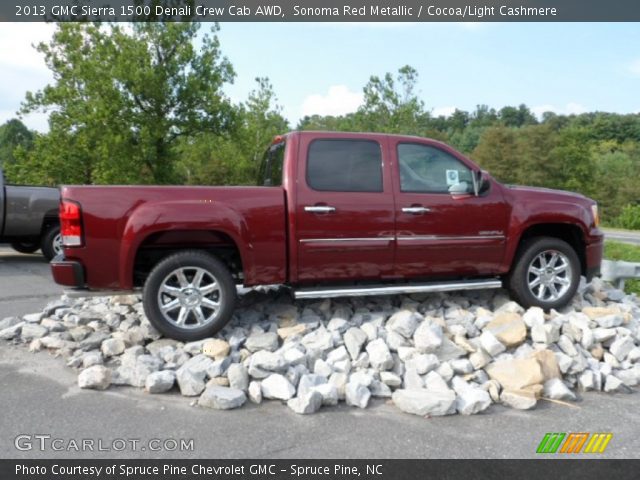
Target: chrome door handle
<point>319,209</point>
<point>415,210</point>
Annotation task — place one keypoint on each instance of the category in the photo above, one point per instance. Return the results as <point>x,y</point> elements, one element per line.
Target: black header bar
<point>373,469</point>
<point>322,10</point>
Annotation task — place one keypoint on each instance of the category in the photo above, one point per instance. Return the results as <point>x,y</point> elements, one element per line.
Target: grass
<point>626,252</point>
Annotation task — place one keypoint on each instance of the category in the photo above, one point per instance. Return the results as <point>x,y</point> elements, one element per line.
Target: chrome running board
<point>357,291</point>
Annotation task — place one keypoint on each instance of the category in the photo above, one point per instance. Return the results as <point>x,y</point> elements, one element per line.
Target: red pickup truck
<point>335,214</point>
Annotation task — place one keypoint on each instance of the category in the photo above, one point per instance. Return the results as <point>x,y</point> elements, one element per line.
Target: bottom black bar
<point>317,469</point>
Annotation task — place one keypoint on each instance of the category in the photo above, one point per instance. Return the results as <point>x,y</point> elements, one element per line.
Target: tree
<point>496,152</point>
<point>391,105</point>
<point>234,158</point>
<point>122,99</point>
<point>13,134</point>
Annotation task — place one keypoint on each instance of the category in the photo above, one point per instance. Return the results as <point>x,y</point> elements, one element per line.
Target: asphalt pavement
<point>625,236</point>
<point>39,396</point>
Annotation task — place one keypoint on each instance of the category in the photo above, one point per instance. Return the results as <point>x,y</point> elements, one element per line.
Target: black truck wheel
<point>51,244</point>
<point>25,247</point>
<point>189,295</point>
<point>546,273</point>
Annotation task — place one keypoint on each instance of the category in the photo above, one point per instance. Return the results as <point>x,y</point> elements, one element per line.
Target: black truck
<point>29,218</point>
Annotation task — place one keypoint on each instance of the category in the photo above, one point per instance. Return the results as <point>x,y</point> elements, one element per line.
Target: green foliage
<point>234,159</point>
<point>629,217</point>
<point>123,96</point>
<point>628,253</point>
<point>13,135</point>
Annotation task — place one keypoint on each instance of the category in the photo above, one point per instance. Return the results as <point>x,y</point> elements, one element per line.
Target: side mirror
<point>481,182</point>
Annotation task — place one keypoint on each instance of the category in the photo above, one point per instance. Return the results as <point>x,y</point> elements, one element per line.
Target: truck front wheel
<point>25,247</point>
<point>546,273</point>
<point>189,295</point>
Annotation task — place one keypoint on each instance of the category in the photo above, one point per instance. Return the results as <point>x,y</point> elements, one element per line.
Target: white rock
<point>329,393</point>
<point>491,344</point>
<point>33,330</point>
<point>11,332</point>
<point>379,355</point>
<point>391,379</point>
<point>339,380</point>
<point>555,389</point>
<point>319,340</point>
<point>479,358</point>
<point>262,341</point>
<point>615,385</point>
<point>96,377</point>
<point>112,347</point>
<point>379,389</point>
<point>609,321</point>
<point>518,400</point>
<point>412,380</point>
<point>547,333</point>
<point>255,392</point>
<point>424,402</point>
<point>354,339</point>
<point>566,345</point>
<point>603,334</point>
<point>306,404</point>
<point>238,376</point>
<point>434,382</point>
<point>275,386</point>
<point>308,382</point>
<point>533,316</point>
<point>586,381</point>
<point>191,383</point>
<point>263,363</point>
<point>461,365</point>
<point>428,337</point>
<point>160,382</point>
<point>422,363</point>
<point>222,398</point>
<point>370,330</point>
<point>472,400</point>
<point>293,356</point>
<point>357,395</point>
<point>322,368</point>
<point>403,322</point>
<point>621,347</point>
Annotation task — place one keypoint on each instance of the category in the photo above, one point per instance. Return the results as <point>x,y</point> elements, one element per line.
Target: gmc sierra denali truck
<point>334,214</point>
<point>29,218</point>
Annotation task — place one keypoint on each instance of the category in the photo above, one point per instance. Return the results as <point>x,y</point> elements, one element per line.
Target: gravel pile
<point>430,354</point>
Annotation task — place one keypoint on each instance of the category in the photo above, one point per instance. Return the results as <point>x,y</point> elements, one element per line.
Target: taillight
<point>71,223</point>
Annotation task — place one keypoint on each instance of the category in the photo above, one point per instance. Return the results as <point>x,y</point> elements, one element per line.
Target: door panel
<point>344,210</point>
<point>439,233</point>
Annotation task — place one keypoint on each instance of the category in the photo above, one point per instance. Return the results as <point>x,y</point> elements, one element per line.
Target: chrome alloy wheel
<point>57,244</point>
<point>549,275</point>
<point>190,297</point>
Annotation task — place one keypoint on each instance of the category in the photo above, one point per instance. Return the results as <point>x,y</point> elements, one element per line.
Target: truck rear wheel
<point>546,273</point>
<point>189,295</point>
<point>51,244</point>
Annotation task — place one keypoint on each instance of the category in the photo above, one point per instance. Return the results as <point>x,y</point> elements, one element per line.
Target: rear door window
<point>337,165</point>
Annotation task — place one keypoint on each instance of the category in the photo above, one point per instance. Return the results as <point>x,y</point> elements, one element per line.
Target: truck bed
<point>119,221</point>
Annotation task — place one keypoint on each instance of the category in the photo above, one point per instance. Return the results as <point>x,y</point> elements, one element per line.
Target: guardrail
<point>617,271</point>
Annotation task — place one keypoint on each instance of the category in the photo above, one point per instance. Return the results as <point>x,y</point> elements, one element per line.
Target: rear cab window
<point>344,165</point>
<point>271,167</point>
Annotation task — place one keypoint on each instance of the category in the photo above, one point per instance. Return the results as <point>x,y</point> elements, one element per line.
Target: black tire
<point>165,274</point>
<point>48,243</point>
<point>26,247</point>
<point>521,277</point>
